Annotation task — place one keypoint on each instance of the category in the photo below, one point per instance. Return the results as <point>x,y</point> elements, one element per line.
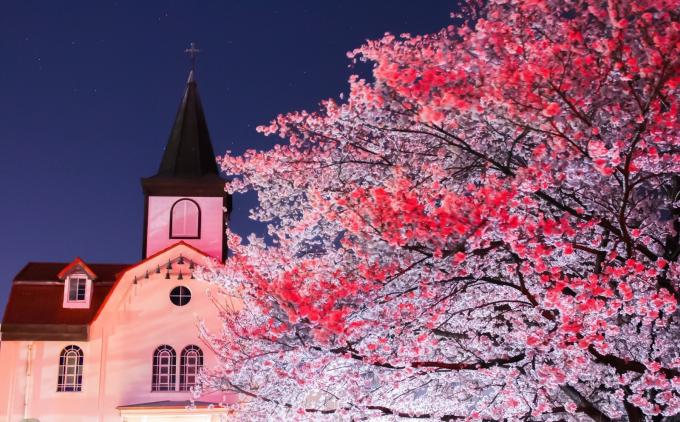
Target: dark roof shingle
<point>47,271</point>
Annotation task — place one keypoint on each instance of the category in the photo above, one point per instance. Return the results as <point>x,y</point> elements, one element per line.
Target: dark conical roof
<point>188,166</point>
<point>189,152</point>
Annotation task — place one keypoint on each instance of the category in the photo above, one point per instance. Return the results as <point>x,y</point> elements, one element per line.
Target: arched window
<point>164,373</point>
<point>191,362</point>
<point>70,369</point>
<point>185,220</point>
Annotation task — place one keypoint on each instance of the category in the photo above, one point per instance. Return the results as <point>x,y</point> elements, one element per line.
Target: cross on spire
<point>192,52</point>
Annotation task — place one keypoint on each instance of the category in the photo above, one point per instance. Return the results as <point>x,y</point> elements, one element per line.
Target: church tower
<point>185,200</point>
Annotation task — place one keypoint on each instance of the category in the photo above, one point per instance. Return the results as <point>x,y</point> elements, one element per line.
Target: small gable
<point>77,266</point>
<point>77,277</point>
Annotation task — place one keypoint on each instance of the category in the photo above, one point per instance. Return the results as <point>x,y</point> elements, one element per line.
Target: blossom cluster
<point>487,229</point>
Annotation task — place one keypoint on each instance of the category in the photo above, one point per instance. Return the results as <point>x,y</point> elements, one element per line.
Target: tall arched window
<point>164,373</point>
<point>70,369</point>
<point>185,220</point>
<point>191,361</point>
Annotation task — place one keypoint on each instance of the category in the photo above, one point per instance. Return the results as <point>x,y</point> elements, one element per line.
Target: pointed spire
<point>189,166</point>
<point>189,152</point>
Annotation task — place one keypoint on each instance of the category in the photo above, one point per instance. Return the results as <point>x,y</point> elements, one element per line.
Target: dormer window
<point>76,289</point>
<point>77,277</point>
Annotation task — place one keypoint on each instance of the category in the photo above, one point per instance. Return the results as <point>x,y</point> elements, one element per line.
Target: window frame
<point>184,385</point>
<point>76,386</point>
<point>180,296</point>
<point>76,277</point>
<point>73,280</point>
<point>171,385</point>
<point>198,225</point>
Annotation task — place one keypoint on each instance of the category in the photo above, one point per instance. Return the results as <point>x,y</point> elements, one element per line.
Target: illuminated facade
<point>88,342</point>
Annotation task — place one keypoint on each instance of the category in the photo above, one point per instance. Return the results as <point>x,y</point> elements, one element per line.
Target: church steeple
<point>185,200</point>
<point>189,152</point>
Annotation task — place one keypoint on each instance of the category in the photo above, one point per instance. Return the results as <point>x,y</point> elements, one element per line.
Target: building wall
<point>118,357</point>
<point>13,359</point>
<point>161,416</point>
<point>212,224</point>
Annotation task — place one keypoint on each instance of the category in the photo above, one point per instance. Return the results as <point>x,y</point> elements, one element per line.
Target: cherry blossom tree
<point>488,228</point>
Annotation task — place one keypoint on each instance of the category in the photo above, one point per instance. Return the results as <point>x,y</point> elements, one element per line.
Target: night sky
<point>91,89</point>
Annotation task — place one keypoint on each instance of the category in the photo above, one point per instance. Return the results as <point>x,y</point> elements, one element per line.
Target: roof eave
<point>208,185</point>
<point>44,332</point>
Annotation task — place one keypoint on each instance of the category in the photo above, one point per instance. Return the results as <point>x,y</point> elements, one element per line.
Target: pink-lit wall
<point>135,320</point>
<point>212,225</point>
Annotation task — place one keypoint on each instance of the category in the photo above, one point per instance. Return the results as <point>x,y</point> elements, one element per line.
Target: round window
<point>180,295</point>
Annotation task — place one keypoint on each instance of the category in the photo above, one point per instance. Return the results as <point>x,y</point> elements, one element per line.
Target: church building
<point>105,342</point>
